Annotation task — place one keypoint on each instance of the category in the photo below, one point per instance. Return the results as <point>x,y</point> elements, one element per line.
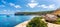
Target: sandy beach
<point>26,22</point>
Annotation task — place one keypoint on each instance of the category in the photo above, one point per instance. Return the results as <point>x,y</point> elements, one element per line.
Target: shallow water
<point>11,20</point>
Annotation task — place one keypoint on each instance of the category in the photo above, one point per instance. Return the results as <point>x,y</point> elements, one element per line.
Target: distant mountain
<point>33,13</point>
<point>55,12</point>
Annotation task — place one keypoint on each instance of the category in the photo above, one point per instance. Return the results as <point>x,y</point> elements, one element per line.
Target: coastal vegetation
<point>57,21</point>
<point>51,17</point>
<point>36,22</point>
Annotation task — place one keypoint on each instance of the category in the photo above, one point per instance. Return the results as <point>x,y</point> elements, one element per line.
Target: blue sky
<point>12,6</point>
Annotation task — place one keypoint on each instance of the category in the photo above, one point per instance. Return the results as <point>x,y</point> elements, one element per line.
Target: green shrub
<point>57,22</point>
<point>37,22</point>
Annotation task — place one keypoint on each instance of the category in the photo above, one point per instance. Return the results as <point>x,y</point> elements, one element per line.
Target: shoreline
<point>26,22</point>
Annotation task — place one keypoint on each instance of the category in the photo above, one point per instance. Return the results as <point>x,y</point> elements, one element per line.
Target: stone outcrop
<point>53,16</point>
<point>50,17</point>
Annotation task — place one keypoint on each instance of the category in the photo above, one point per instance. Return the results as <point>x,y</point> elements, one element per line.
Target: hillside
<point>56,12</point>
<point>33,13</point>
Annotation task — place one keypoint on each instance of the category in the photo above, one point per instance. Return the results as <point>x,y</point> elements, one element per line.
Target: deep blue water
<point>11,20</point>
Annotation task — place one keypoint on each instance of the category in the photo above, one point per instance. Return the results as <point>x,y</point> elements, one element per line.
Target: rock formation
<point>57,12</point>
<point>50,17</point>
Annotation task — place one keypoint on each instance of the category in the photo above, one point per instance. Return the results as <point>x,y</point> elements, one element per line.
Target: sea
<point>11,20</point>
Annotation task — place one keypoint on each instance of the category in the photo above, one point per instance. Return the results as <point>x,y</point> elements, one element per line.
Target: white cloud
<point>33,1</point>
<point>32,5</point>
<point>2,5</point>
<point>16,6</point>
<point>3,12</point>
<point>52,6</point>
<point>3,2</point>
<point>6,12</point>
<point>47,6</point>
<point>44,6</point>
<point>11,4</point>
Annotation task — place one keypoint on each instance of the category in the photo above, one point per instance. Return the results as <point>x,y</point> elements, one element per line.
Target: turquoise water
<point>12,20</point>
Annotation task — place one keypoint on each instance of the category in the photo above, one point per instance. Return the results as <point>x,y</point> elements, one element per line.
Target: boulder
<point>50,17</point>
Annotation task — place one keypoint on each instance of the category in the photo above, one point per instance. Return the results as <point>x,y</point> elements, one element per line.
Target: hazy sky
<point>12,6</point>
